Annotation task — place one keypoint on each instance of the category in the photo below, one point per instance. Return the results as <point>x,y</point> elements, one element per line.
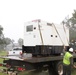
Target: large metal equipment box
<point>44,38</point>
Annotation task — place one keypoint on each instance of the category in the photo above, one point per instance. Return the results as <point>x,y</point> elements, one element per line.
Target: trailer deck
<point>35,59</point>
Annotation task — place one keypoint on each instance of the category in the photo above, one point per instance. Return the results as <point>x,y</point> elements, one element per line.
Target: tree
<point>2,41</point>
<point>73,19</point>
<point>66,22</point>
<point>1,35</point>
<point>20,41</point>
<point>71,23</point>
<point>7,41</point>
<point>1,30</point>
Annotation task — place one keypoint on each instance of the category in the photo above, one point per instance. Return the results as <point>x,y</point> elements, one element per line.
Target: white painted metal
<point>48,33</point>
<point>16,51</point>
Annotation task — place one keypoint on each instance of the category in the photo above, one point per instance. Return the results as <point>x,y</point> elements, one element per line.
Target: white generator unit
<point>43,38</point>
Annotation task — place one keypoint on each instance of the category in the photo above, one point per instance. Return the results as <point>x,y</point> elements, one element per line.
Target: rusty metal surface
<point>43,59</point>
<point>39,59</point>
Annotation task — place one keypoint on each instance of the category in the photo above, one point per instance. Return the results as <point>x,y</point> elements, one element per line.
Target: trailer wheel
<point>59,68</point>
<point>51,70</point>
<point>9,72</point>
<point>12,73</point>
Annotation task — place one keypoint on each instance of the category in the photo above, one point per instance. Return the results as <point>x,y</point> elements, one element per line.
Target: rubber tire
<point>12,73</point>
<point>16,74</point>
<point>59,68</point>
<point>51,70</point>
<point>9,72</point>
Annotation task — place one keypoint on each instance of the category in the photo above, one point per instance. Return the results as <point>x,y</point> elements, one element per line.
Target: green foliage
<point>71,23</point>
<point>73,19</point>
<point>1,30</point>
<point>1,35</point>
<point>20,41</point>
<point>3,41</point>
<point>7,41</point>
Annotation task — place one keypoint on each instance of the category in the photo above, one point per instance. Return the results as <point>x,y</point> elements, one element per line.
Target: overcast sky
<point>13,13</point>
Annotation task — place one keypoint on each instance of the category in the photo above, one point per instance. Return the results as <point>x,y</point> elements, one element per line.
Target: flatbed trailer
<point>51,63</point>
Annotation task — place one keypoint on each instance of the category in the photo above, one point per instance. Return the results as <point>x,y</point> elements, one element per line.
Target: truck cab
<point>16,51</point>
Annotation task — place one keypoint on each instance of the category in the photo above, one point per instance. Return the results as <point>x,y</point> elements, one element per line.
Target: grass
<point>74,72</point>
<point>2,73</point>
<point>2,53</point>
<point>28,73</point>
